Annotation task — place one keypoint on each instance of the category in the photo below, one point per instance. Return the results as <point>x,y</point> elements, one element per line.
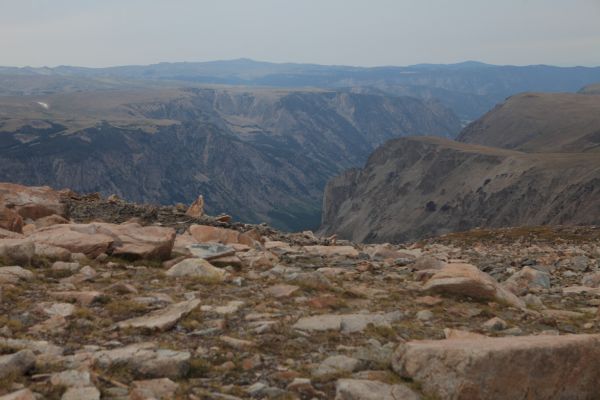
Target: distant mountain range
<point>263,155</point>
<point>260,140</point>
<point>469,89</point>
<point>533,160</point>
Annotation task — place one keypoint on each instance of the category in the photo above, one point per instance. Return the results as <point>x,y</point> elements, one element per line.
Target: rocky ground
<point>104,299</point>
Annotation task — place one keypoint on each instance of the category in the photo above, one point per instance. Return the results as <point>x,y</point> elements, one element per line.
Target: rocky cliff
<point>261,155</point>
<point>416,187</point>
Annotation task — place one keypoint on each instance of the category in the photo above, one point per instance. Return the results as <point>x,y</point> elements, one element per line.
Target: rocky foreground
<point>104,299</point>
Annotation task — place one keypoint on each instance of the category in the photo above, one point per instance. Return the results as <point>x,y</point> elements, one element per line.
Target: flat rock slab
<point>332,251</point>
<point>126,240</point>
<point>361,389</point>
<point>346,323</point>
<point>146,360</point>
<point>208,251</point>
<point>526,367</point>
<point>204,233</point>
<point>468,280</point>
<point>161,320</point>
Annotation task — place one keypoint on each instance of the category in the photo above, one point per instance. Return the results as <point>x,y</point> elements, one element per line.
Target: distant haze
<point>350,32</point>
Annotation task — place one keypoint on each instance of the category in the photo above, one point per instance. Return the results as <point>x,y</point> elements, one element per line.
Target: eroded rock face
<point>555,367</point>
<point>468,280</point>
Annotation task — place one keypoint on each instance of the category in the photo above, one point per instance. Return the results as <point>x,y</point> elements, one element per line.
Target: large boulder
<point>77,238</point>
<point>527,367</point>
<point>10,220</point>
<point>129,240</point>
<point>135,241</point>
<point>145,360</point>
<point>16,364</point>
<point>468,280</point>
<point>32,202</point>
<point>17,251</point>
<point>527,278</point>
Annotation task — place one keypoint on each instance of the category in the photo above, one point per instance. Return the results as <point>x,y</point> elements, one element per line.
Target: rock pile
<point>95,309</point>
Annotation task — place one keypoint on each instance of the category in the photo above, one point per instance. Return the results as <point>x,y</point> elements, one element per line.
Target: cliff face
<point>262,155</point>
<point>416,187</point>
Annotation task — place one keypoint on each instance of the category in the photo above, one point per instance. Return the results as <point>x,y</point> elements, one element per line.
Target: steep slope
<point>262,155</point>
<point>416,187</point>
<point>540,122</point>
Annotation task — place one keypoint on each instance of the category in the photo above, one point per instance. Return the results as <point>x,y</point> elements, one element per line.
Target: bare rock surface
<point>282,319</point>
<point>493,368</point>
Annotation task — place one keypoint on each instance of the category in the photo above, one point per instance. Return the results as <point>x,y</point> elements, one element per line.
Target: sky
<point>97,33</point>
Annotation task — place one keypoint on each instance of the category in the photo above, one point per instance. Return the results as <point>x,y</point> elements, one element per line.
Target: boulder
<point>32,202</point>
<point>81,393</point>
<point>14,274</point>
<point>17,251</point>
<point>158,389</point>
<point>10,220</point>
<point>204,233</point>
<point>52,253</point>
<point>468,280</point>
<point>526,367</point>
<point>591,280</point>
<point>145,360</point>
<point>527,278</point>
<point>50,220</point>
<point>76,238</point>
<point>336,366</point>
<point>361,389</point>
<point>129,240</point>
<point>16,364</point>
<point>198,268</point>
<point>331,251</point>
<point>163,319</point>
<point>346,323</point>
<point>23,394</point>
<point>6,234</point>
<point>132,240</point>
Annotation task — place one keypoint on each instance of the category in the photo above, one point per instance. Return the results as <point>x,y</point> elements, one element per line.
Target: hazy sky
<point>350,32</point>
